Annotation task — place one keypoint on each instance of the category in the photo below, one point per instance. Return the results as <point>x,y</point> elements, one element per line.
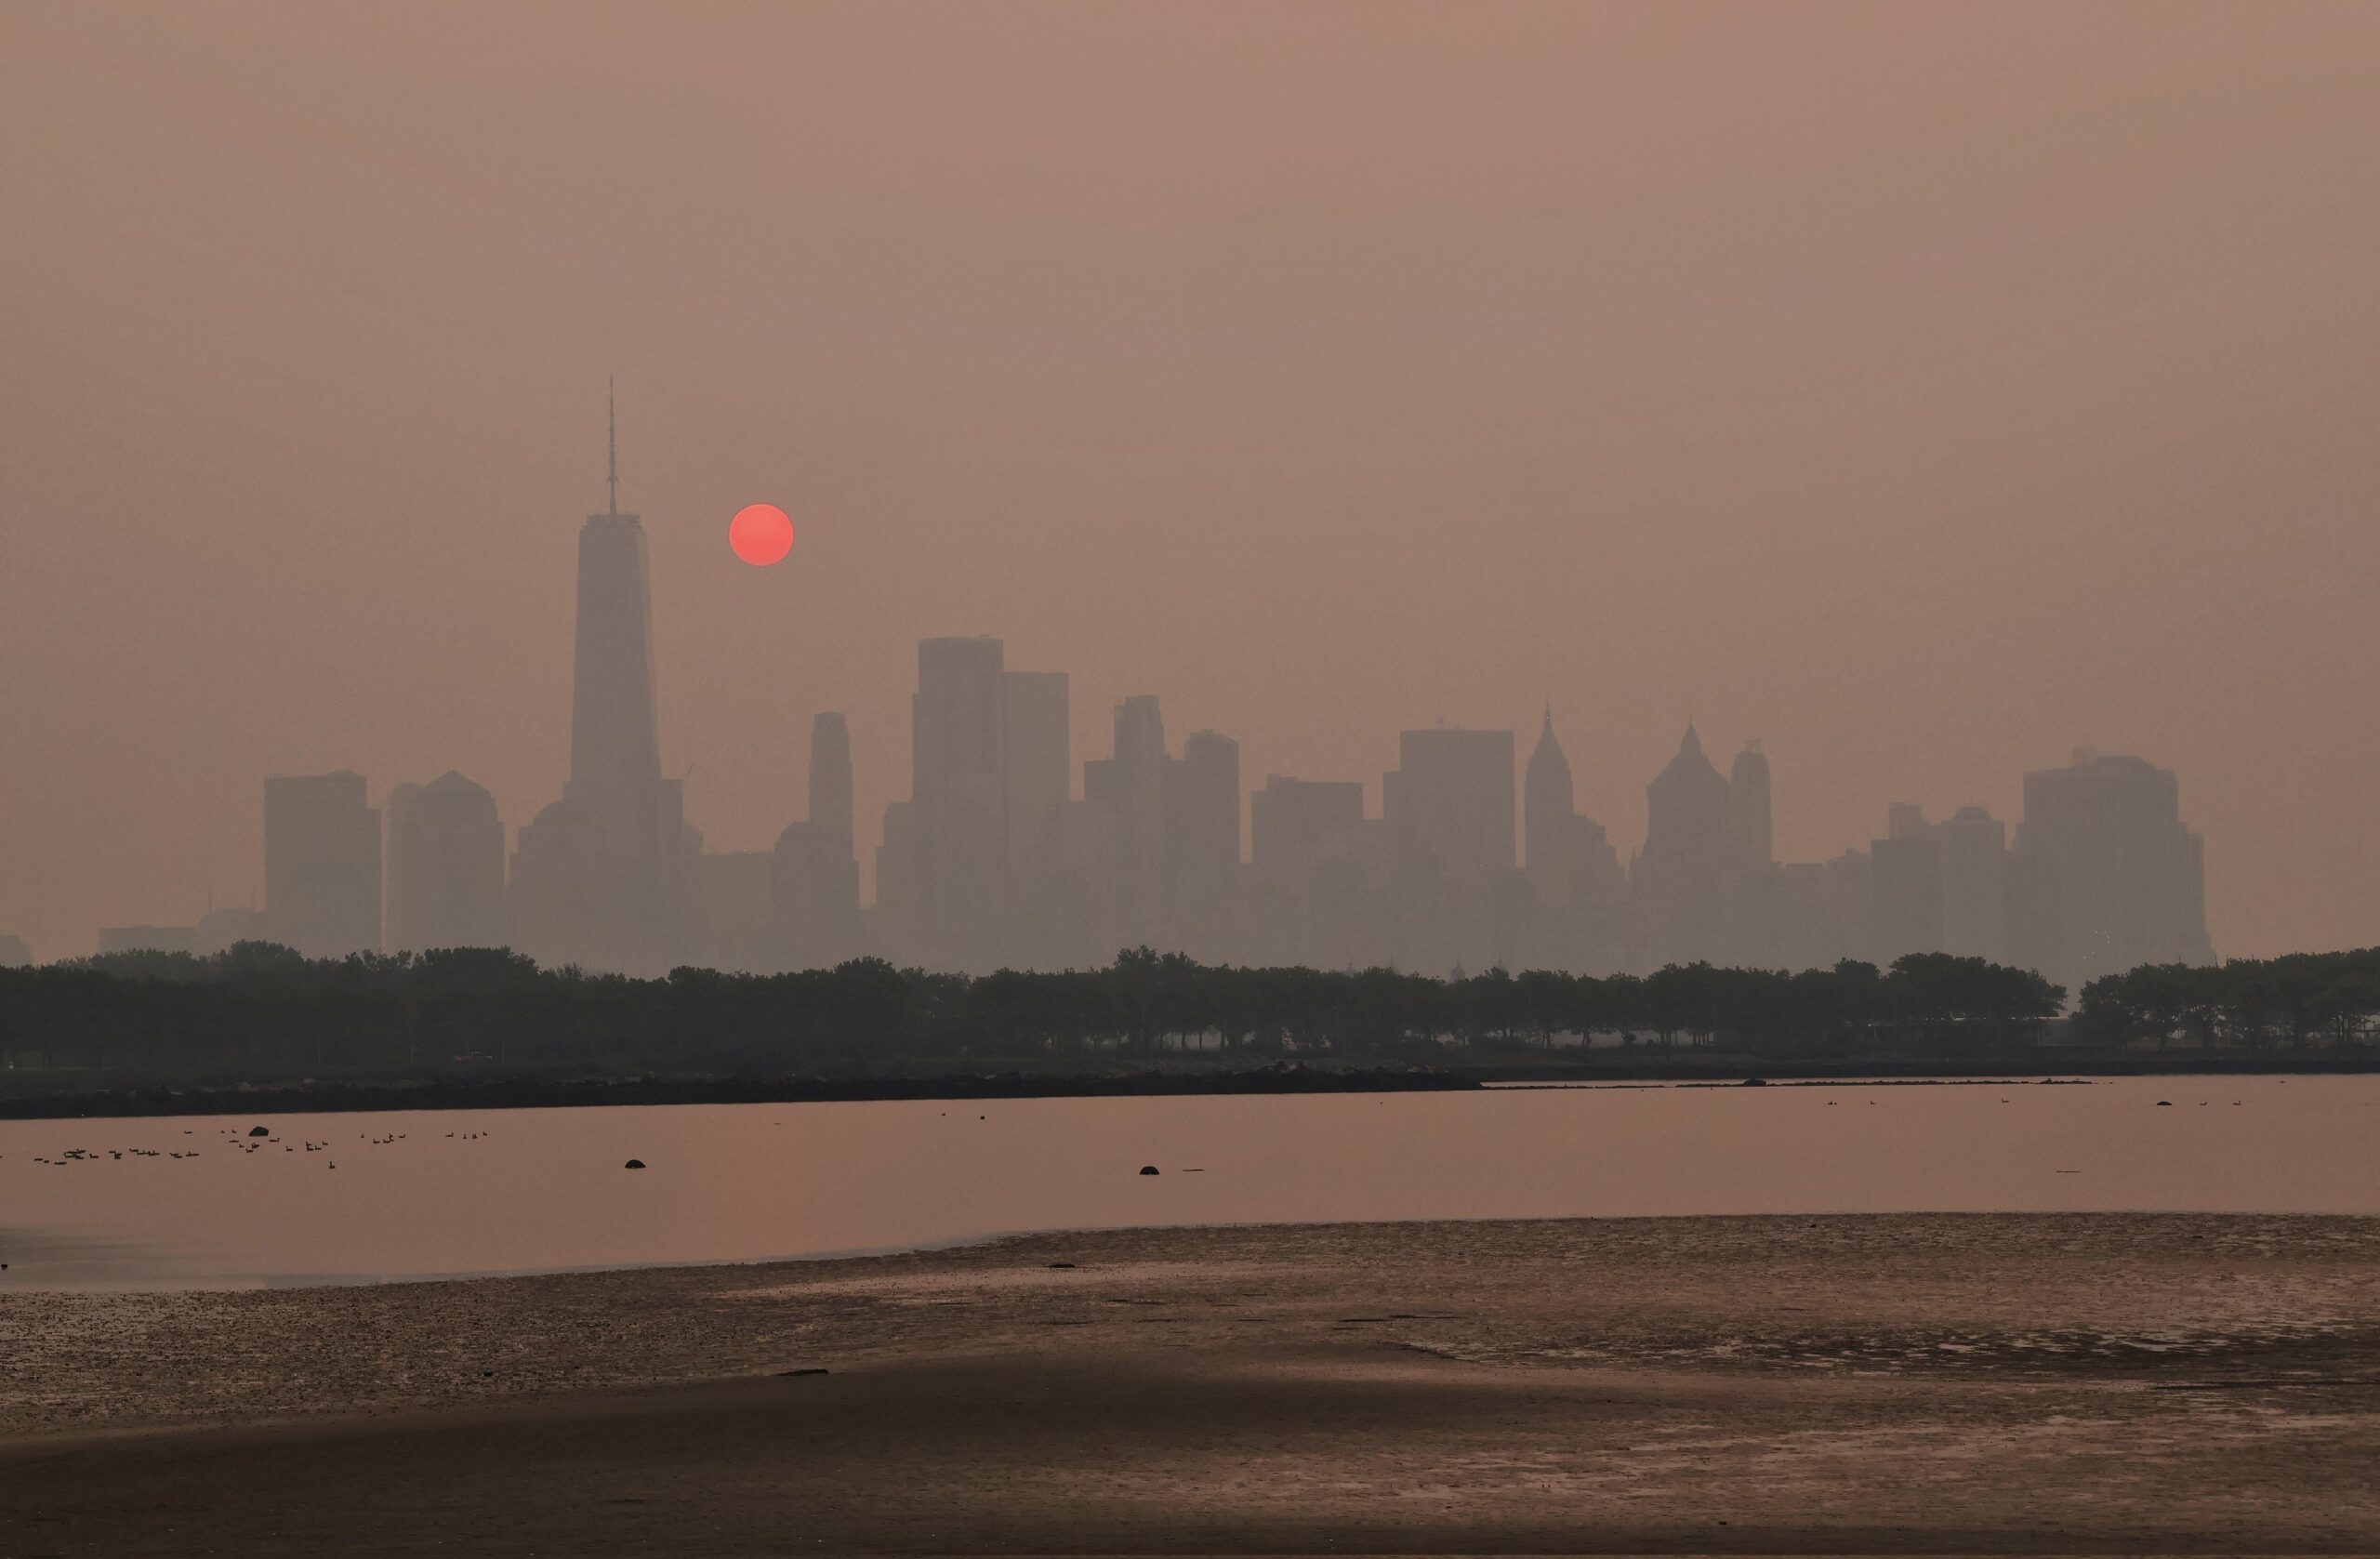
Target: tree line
<point>261,1010</point>
<point>2303,1002</point>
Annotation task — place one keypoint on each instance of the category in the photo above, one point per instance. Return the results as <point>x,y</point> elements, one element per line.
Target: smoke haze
<point>1925,390</point>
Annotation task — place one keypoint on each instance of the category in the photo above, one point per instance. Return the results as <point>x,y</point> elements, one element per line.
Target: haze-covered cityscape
<point>1199,777</point>
<point>1007,854</point>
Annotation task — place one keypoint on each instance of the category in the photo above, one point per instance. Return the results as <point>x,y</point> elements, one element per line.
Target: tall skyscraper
<point>1749,824</point>
<point>1678,882</point>
<point>729,919</point>
<point>1975,847</point>
<point>958,801</point>
<point>898,925</point>
<point>2103,875</point>
<point>1313,860</point>
<point>1126,791</point>
<point>1750,888</point>
<point>831,774</point>
<point>1549,814</point>
<point>321,864</point>
<point>1968,850</point>
<point>1293,823</point>
<point>1905,894</point>
<point>1202,844</point>
<point>1038,766</point>
<point>1453,789</point>
<point>616,729</point>
<point>813,910</point>
<point>445,861</point>
<point>1575,882</point>
<point>599,882</point>
<point>1824,911</point>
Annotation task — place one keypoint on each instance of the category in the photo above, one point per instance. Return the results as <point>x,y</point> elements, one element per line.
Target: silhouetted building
<point>1962,917</point>
<point>1315,865</point>
<point>972,870</point>
<point>1823,911</point>
<point>900,894</point>
<point>14,954</point>
<point>2103,876</point>
<point>730,916</point>
<point>1037,743</point>
<point>1125,795</point>
<point>1040,926</point>
<point>1549,808</point>
<point>1575,883</point>
<point>1904,897</point>
<point>446,862</point>
<point>959,800</point>
<point>1202,844</point>
<point>811,885</point>
<point>1749,891</point>
<point>1452,790</point>
<point>601,879</point>
<point>1749,824</point>
<point>831,773</point>
<point>148,939</point>
<point>1293,821</point>
<point>552,897</point>
<point>321,864</point>
<point>1678,881</point>
<point>812,899</point>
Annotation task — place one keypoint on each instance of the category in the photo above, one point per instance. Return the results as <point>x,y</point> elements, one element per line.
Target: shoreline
<point>451,1091</point>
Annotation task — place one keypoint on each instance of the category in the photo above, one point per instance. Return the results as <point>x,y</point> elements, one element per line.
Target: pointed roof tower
<point>1548,801</point>
<point>1548,753</point>
<point>1691,767</point>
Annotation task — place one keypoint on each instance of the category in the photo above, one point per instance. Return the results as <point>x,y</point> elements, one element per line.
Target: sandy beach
<point>1937,1384</point>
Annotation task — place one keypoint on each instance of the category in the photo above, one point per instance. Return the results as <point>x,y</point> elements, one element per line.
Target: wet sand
<point>2035,1384</point>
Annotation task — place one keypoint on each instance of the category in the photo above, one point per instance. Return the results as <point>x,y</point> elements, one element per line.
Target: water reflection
<point>51,1259</point>
<point>347,1197</point>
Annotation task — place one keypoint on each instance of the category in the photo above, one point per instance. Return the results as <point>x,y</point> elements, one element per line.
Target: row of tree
<point>260,1010</point>
<point>2303,1002</point>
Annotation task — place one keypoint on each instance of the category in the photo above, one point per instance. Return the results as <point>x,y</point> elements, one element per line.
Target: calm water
<point>526,1190</point>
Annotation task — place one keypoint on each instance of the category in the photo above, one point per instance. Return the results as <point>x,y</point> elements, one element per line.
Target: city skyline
<point>997,857</point>
<point>1203,775</point>
<point>2006,396</point>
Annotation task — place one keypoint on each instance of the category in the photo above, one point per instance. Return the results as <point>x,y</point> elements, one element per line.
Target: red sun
<point>760,534</point>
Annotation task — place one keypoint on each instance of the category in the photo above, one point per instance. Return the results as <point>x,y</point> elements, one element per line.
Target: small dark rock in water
<point>787,1374</point>
<point>634,1164</point>
<point>2164,1104</point>
<point>1148,1168</point>
<point>1054,1266</point>
<point>1756,1083</point>
<point>260,1131</point>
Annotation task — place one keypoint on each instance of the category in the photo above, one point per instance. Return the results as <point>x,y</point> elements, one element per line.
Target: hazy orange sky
<point>1925,390</point>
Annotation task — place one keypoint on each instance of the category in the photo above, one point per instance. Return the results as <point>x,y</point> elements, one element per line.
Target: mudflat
<point>1918,1385</point>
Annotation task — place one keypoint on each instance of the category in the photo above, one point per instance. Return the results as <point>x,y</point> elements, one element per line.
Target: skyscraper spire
<point>612,438</point>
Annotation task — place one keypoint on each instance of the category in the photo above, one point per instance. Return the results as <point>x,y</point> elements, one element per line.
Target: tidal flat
<point>2062,1383</point>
